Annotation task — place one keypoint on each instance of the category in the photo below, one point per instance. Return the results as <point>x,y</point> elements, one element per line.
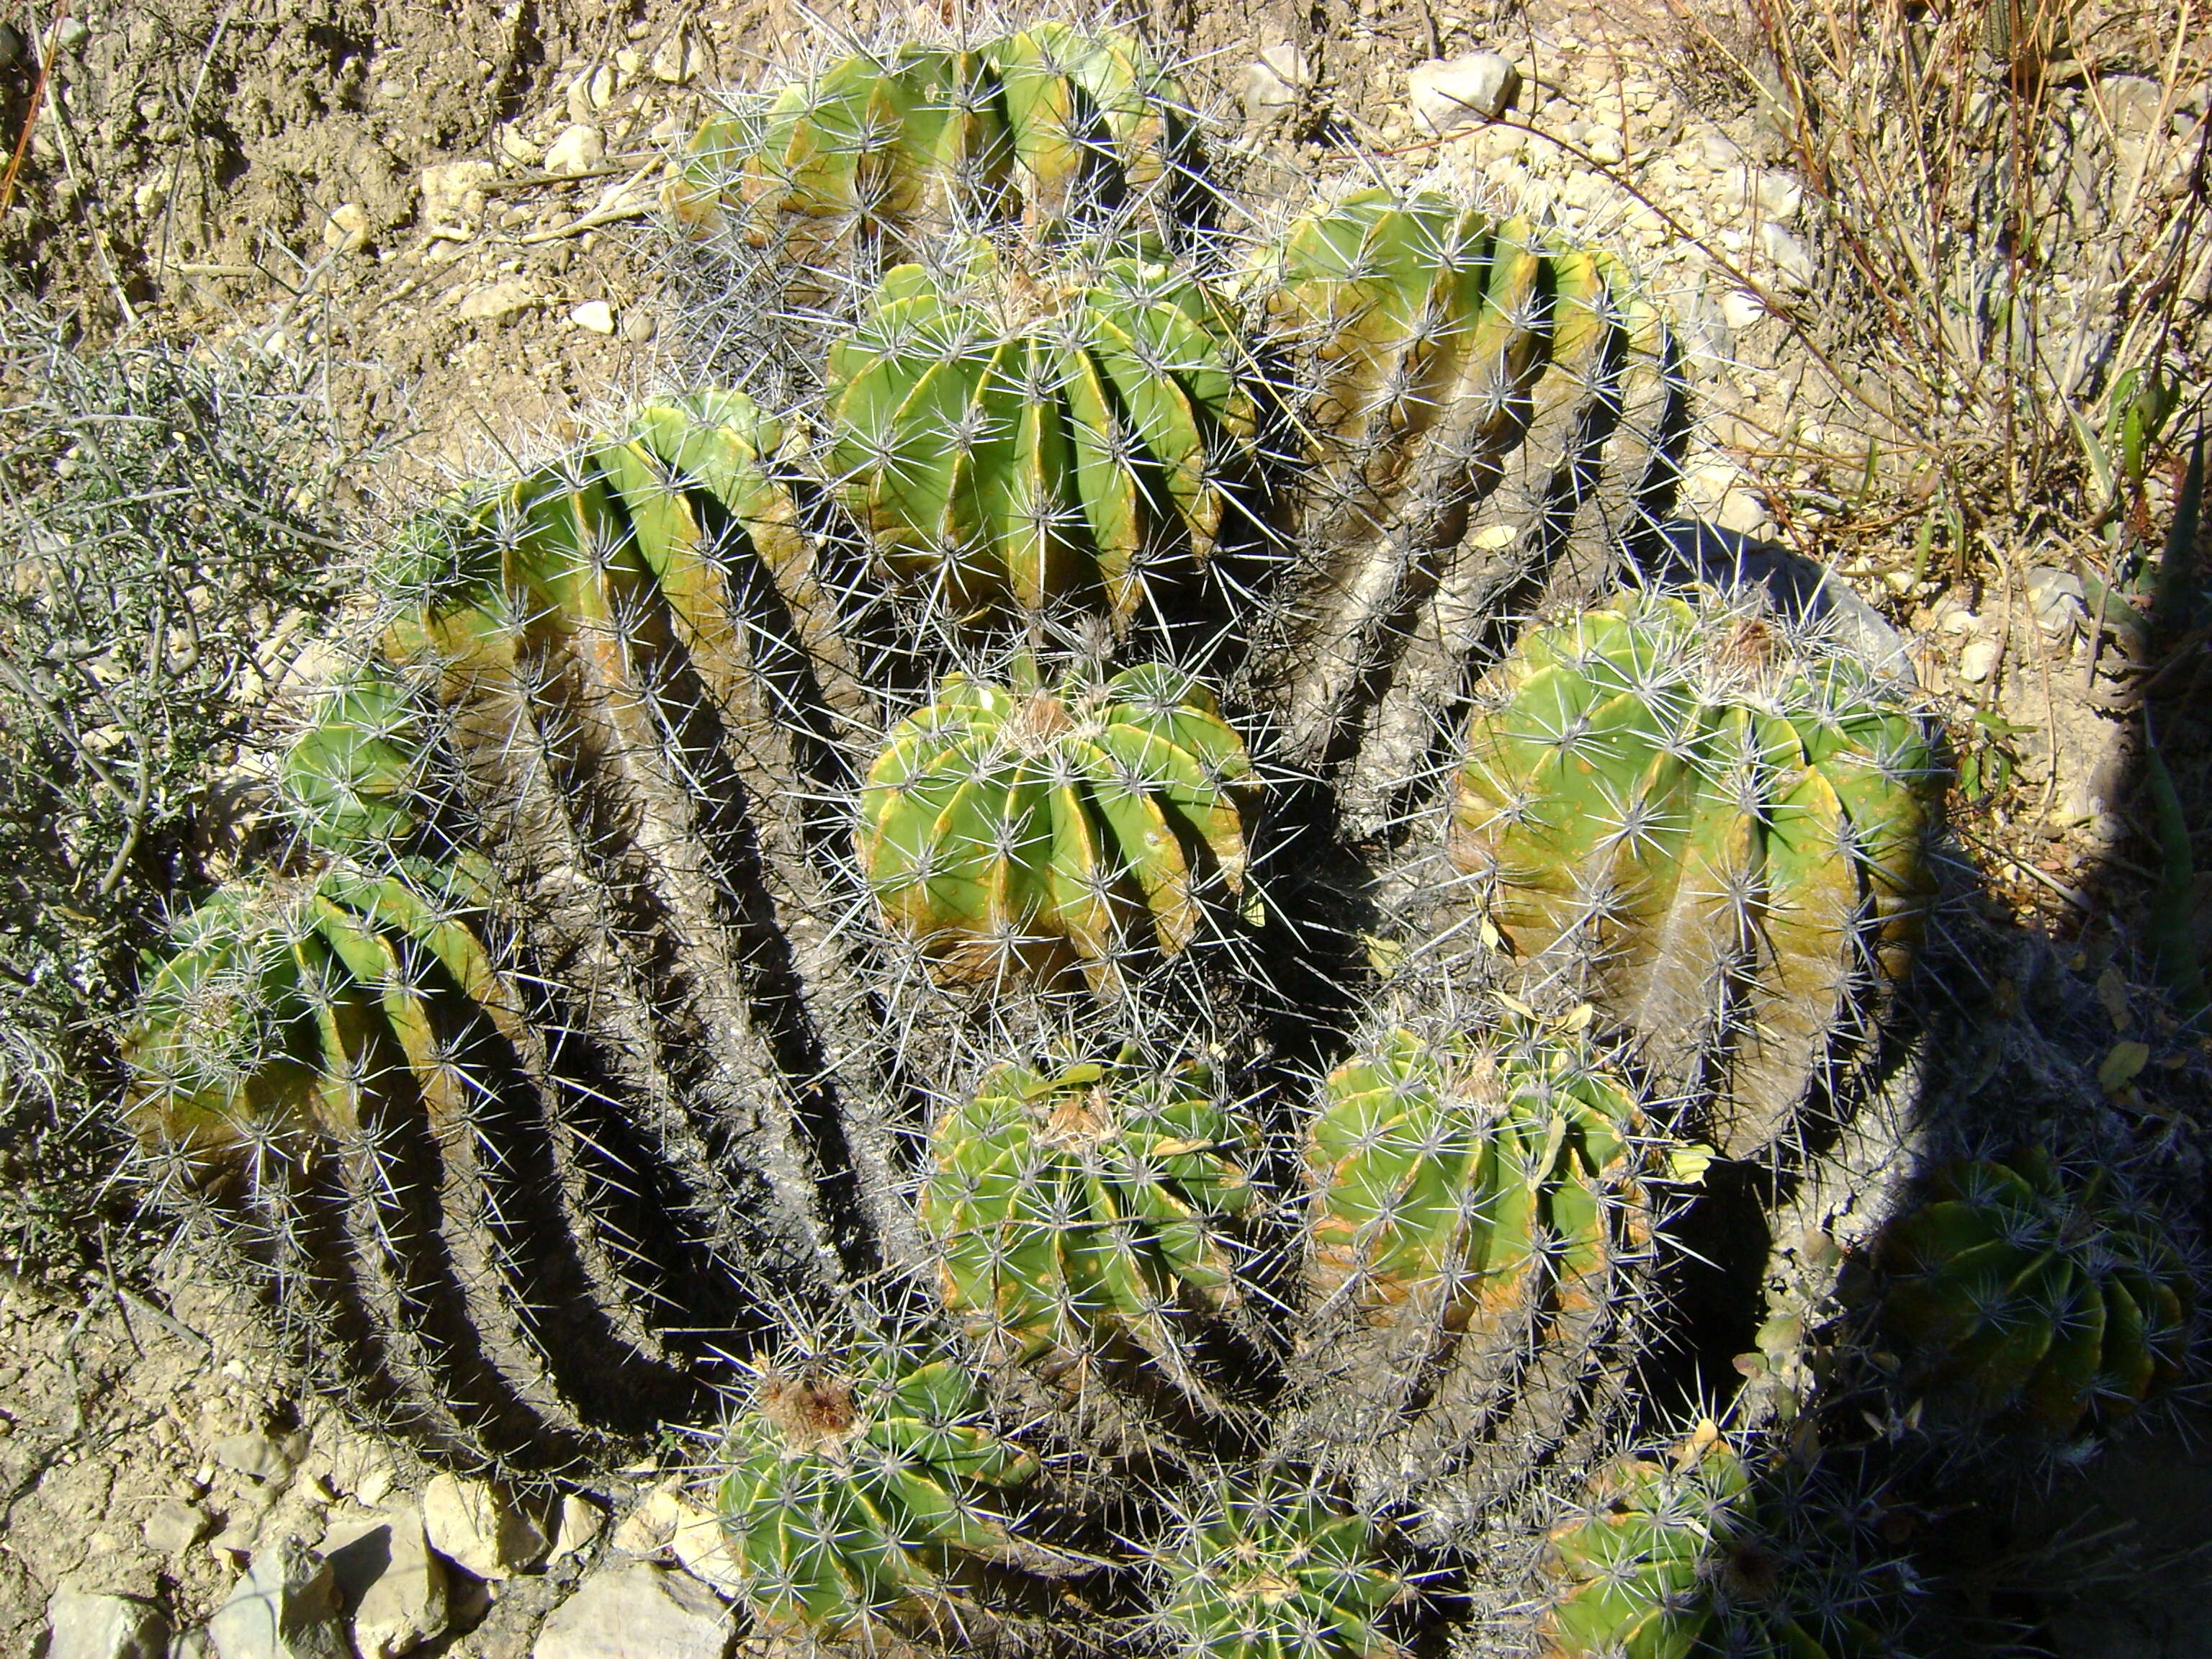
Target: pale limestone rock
<point>285,1605</point>
<point>577,1528</point>
<point>1452,93</point>
<point>390,1580</point>
<point>578,150</point>
<point>477,1525</point>
<point>497,302</point>
<point>697,1544</point>
<point>1274,81</point>
<point>638,1611</point>
<point>81,1627</point>
<point>594,317</point>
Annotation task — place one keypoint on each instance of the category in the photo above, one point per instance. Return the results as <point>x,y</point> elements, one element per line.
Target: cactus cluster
<point>948,854</point>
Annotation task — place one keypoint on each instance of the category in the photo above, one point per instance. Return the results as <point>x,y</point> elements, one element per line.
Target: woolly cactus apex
<point>2027,1293</point>
<point>1040,440</point>
<point>1055,127</point>
<point>1629,1574</point>
<point>1272,1565</point>
<point>355,776</point>
<point>1725,828</point>
<point>286,998</point>
<point>1071,1208</point>
<point>1463,1186</point>
<point>1011,831</point>
<point>859,1494</point>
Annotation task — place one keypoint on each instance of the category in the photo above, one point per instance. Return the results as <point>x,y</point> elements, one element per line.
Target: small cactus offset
<point>1041,439</point>
<point>1727,835</point>
<point>1630,1575</point>
<point>1677,1557</point>
<point>1100,1200</point>
<point>1054,128</point>
<point>860,1491</point>
<point>287,1000</point>
<point>354,778</point>
<point>1271,1564</point>
<point>1015,830</point>
<point>1464,1184</point>
<point>2018,1292</point>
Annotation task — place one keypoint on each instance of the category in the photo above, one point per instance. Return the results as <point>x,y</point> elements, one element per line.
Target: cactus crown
<point>2013,1293</point>
<point>1726,840</point>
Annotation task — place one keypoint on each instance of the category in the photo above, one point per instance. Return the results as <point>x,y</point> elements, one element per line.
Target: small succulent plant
<point>2013,1291</point>
<point>1270,1563</point>
<point>1014,829</point>
<point>1035,440</point>
<point>1070,1207</point>
<point>354,777</point>
<point>858,1490</point>
<point>1630,1573</point>
<point>1726,835</point>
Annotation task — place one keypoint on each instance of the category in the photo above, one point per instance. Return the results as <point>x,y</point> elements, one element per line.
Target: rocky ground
<point>452,207</point>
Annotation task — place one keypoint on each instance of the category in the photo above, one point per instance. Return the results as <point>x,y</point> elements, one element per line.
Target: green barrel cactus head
<point>1401,310</point>
<point>1052,128</point>
<point>291,1002</point>
<point>1013,830</point>
<point>354,777</point>
<point>1630,1572</point>
<point>860,1490</point>
<point>2028,1293</point>
<point>1726,830</point>
<point>1069,1209</point>
<point>1270,1563</point>
<point>1470,1182</point>
<point>1040,440</point>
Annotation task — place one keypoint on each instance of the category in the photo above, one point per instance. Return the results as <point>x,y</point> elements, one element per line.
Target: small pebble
<point>594,316</point>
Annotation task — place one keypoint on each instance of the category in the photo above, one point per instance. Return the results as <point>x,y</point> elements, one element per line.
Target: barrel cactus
<point>1272,1563</point>
<point>1042,439</point>
<point>1084,632</point>
<point>1014,829</point>
<point>2012,1291</point>
<point>1097,1202</point>
<point>1057,128</point>
<point>858,1490</point>
<point>1727,836</point>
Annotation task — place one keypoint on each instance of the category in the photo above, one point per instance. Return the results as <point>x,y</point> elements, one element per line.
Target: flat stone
<point>497,302</point>
<point>261,1456</point>
<point>637,1611</point>
<point>578,150</point>
<point>346,231</point>
<point>1274,81</point>
<point>1793,260</point>
<point>594,317</point>
<point>479,1526</point>
<point>453,195</point>
<point>697,1544</point>
<point>176,1525</point>
<point>1449,93</point>
<point>81,1627</point>
<point>285,1605</point>
<point>390,1581</point>
<point>647,1530</point>
<point>1979,659</point>
<point>576,1527</point>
